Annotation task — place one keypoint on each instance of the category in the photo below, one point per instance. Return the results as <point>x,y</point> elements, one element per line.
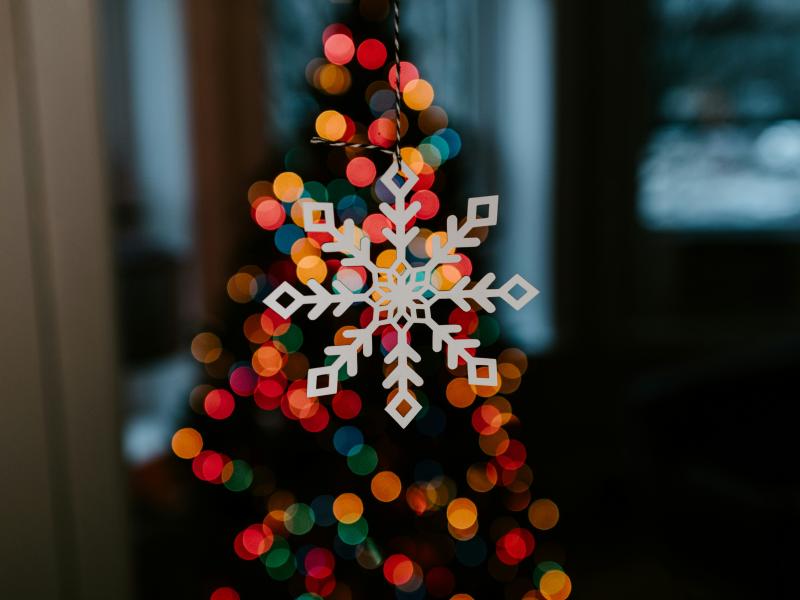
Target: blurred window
<point>492,67</point>
<point>724,153</point>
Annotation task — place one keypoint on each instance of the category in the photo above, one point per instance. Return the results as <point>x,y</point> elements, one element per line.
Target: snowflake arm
<point>402,375</point>
<point>399,185</point>
<point>458,348</point>
<point>323,381</point>
<point>320,300</point>
<point>458,237</point>
<point>483,295</point>
<point>346,240</point>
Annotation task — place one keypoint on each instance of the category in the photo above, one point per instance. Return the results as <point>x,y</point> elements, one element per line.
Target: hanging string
<point>397,82</point>
<point>396,151</point>
<point>319,140</point>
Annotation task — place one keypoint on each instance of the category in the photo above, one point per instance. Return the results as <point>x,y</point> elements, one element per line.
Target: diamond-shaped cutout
<point>482,211</point>
<point>417,280</point>
<point>396,188</point>
<point>322,381</point>
<point>402,321</point>
<point>417,312</point>
<point>518,292</point>
<point>380,295</point>
<point>383,314</point>
<point>388,276</point>
<point>326,211</point>
<point>473,371</point>
<point>403,408</point>
<point>276,303</point>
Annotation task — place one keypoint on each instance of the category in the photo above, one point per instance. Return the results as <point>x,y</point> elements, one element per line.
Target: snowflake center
<point>401,296</point>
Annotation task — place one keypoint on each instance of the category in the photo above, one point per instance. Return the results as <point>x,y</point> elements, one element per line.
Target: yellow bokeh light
<point>481,477</point>
<point>331,125</point>
<point>386,486</point>
<point>543,514</point>
<point>288,186</point>
<point>386,259</point>
<point>311,267</point>
<point>555,585</point>
<point>267,361</point>
<point>242,287</point>
<point>187,443</point>
<point>206,347</point>
<point>459,393</point>
<point>413,158</point>
<point>348,508</point>
<point>462,513</point>
<point>418,94</point>
<point>302,248</point>
<point>332,79</point>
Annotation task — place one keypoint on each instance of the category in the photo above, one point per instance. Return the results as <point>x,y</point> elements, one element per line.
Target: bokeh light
<point>206,347</point>
<point>339,48</point>
<point>386,486</point>
<point>417,93</point>
<point>219,404</point>
<point>462,513</point>
<point>224,593</point>
<point>371,54</point>
<point>555,585</point>
<point>348,508</point>
<point>330,125</point>
<point>543,514</point>
<point>288,186</point>
<point>361,171</point>
<point>187,443</point>
<point>408,72</point>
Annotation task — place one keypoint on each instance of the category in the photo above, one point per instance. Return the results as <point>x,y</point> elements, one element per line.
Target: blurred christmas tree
<point>327,497</point>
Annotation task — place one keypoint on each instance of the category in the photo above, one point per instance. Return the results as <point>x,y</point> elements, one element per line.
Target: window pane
<point>724,151</point>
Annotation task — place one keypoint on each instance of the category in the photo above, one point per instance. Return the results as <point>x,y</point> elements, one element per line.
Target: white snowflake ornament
<point>401,296</point>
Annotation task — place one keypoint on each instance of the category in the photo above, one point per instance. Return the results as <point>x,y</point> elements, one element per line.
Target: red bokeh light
<point>371,54</point>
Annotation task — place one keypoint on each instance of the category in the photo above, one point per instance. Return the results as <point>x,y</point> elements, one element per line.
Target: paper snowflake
<point>401,296</point>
